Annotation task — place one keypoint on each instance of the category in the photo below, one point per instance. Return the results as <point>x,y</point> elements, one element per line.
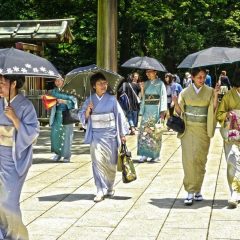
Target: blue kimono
<point>104,128</point>
<point>61,135</point>
<point>15,160</point>
<point>154,102</point>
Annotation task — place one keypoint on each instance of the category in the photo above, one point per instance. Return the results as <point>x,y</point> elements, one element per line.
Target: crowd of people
<point>196,101</point>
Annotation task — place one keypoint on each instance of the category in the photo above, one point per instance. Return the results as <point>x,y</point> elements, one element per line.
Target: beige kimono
<point>199,117</point>
<point>231,101</point>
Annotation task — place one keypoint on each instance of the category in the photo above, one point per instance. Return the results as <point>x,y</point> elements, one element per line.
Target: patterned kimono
<point>199,117</point>
<point>153,103</point>
<point>61,135</point>
<point>103,130</point>
<point>15,160</point>
<point>231,101</point>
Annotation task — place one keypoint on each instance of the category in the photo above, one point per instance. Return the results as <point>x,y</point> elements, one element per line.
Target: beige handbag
<point>6,135</point>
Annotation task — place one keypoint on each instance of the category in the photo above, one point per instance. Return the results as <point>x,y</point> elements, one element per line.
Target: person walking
<point>208,80</point>
<point>61,135</point>
<point>19,128</point>
<point>132,89</point>
<point>224,82</point>
<point>153,110</point>
<point>197,104</point>
<point>170,88</point>
<point>227,110</point>
<point>106,127</point>
<point>187,80</point>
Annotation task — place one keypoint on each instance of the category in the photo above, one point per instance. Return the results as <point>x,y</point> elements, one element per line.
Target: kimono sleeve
<point>222,110</point>
<point>71,101</point>
<point>163,99</point>
<point>121,121</point>
<point>24,137</point>
<point>211,118</point>
<point>82,113</point>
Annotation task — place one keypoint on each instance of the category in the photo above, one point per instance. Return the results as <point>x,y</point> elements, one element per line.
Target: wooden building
<point>32,36</point>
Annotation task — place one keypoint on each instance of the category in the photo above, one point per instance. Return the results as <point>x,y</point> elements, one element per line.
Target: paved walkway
<point>57,199</point>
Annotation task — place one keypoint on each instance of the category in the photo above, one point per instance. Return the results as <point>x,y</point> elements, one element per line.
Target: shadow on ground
<point>75,197</point>
<point>179,203</point>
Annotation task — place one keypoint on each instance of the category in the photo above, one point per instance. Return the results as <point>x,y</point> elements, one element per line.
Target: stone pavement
<point>57,198</point>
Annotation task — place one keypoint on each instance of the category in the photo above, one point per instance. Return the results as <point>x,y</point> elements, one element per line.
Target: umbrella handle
<point>9,93</point>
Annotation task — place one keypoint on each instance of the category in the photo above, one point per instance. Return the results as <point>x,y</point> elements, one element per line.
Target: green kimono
<point>231,101</point>
<point>153,103</point>
<point>199,118</point>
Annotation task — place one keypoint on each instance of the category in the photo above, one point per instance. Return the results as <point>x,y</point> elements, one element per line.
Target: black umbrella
<point>18,62</point>
<point>79,79</point>
<point>144,63</point>
<point>211,56</point>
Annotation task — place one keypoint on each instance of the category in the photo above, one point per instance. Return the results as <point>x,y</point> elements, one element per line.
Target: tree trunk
<point>107,34</point>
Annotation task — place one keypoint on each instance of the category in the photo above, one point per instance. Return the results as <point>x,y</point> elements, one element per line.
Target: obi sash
<point>105,120</point>
<point>6,135</point>
<point>152,99</point>
<point>196,114</point>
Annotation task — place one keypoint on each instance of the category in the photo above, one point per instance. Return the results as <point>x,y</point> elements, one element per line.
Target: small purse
<point>125,164</point>
<point>70,116</point>
<point>176,124</point>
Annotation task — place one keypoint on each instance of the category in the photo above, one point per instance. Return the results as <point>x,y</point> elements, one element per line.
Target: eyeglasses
<point>101,83</point>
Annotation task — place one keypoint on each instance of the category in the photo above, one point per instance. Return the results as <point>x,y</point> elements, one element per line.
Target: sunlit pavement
<point>57,198</point>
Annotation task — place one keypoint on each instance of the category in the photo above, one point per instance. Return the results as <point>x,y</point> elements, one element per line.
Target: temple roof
<point>32,31</point>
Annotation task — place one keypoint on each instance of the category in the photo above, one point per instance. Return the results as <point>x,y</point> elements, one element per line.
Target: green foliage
<point>168,30</point>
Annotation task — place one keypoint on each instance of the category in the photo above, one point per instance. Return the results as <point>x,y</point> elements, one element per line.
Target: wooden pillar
<point>107,34</point>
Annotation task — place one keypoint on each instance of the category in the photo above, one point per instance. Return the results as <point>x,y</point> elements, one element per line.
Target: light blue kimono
<point>104,142</point>
<point>15,161</point>
<point>154,102</point>
<point>61,135</point>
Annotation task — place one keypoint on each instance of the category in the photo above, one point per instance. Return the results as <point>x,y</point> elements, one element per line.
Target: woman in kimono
<point>197,104</point>
<point>153,110</point>
<point>61,135</point>
<point>230,103</point>
<point>106,127</point>
<point>18,129</point>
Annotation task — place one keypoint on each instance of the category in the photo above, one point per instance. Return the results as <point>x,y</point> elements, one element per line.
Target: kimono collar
<point>6,102</point>
<point>238,93</point>
<point>153,81</point>
<point>99,98</point>
<point>197,90</point>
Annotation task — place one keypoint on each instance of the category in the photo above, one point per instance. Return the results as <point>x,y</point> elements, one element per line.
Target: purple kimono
<point>104,128</point>
<point>15,161</point>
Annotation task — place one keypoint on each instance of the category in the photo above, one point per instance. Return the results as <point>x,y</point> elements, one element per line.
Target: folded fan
<point>49,101</point>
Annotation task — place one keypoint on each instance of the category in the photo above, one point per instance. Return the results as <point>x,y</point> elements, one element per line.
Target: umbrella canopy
<point>18,62</point>
<point>78,80</point>
<point>211,56</point>
<point>144,63</point>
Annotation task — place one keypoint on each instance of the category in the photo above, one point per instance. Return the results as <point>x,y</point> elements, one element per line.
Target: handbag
<point>70,116</point>
<point>49,101</point>
<point>126,164</point>
<point>176,124</point>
